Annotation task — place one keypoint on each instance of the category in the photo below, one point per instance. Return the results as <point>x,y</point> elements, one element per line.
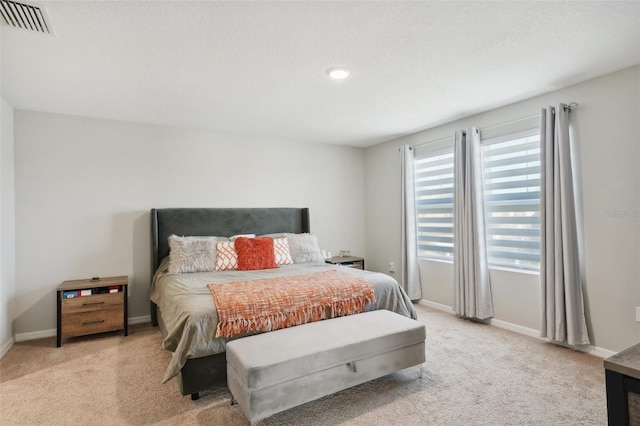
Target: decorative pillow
<point>276,235</point>
<point>192,254</point>
<point>234,237</point>
<point>226,256</point>
<point>281,251</point>
<point>255,253</point>
<point>304,248</point>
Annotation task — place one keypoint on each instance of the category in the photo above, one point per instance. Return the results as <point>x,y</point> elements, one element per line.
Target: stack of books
<point>90,291</point>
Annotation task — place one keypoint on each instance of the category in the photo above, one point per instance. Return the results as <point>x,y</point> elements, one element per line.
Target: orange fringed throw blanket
<point>269,304</point>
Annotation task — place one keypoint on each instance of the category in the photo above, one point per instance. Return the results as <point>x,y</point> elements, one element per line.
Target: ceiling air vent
<point>26,16</point>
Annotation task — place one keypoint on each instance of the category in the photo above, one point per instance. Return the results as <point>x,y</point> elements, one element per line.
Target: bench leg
<point>195,396</point>
<point>233,400</point>
<point>420,372</point>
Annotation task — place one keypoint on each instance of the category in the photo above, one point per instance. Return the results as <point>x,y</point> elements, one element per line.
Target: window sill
<point>429,259</point>
<point>517,271</point>
<point>491,268</point>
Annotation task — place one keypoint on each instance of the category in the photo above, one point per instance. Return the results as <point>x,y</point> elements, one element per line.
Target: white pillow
<point>282,251</point>
<point>192,254</point>
<point>226,256</point>
<point>276,235</point>
<point>233,238</point>
<point>304,248</point>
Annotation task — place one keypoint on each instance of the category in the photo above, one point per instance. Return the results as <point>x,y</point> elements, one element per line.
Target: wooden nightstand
<point>95,313</point>
<point>350,261</point>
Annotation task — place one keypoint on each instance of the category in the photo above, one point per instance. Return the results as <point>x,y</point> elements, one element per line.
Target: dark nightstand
<point>622,372</point>
<point>350,261</point>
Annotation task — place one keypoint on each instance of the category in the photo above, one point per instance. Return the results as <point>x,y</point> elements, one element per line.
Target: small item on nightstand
<point>95,279</point>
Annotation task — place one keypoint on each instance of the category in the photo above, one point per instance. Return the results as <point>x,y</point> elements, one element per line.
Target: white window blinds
<point>511,173</point>
<point>434,200</point>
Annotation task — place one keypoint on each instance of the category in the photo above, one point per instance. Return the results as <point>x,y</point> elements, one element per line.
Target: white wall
<point>607,125</point>
<point>84,188</point>
<point>7,227</point>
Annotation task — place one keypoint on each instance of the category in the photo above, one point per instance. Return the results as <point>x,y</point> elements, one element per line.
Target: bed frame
<point>199,374</point>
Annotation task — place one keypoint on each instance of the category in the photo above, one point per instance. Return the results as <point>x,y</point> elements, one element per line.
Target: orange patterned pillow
<point>255,253</point>
<point>226,256</point>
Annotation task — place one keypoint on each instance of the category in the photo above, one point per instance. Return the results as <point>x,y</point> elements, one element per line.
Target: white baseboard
<point>5,347</point>
<point>590,349</point>
<point>437,306</point>
<point>515,327</point>
<point>33,335</point>
<point>601,353</point>
<point>139,320</point>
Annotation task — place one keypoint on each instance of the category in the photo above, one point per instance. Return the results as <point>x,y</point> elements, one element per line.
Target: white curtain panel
<point>472,286</point>
<point>410,272</point>
<point>562,304</point>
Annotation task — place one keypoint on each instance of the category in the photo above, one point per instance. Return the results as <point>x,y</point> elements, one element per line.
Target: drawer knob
<point>92,322</point>
<point>93,303</point>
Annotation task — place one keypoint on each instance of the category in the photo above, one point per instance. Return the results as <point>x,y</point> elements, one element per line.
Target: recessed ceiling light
<point>338,73</point>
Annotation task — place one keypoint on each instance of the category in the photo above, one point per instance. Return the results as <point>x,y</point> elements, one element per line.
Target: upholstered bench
<point>272,372</point>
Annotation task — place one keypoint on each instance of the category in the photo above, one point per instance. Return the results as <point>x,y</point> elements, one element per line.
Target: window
<point>434,201</point>
<point>511,172</point>
<point>511,178</point>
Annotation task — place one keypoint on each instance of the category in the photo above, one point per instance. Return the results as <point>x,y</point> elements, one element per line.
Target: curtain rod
<point>509,122</point>
<point>430,142</point>
<point>571,106</point>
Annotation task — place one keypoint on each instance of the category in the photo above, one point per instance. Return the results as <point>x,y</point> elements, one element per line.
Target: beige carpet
<point>474,375</point>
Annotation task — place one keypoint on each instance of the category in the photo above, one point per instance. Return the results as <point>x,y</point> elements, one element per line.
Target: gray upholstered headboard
<point>222,222</point>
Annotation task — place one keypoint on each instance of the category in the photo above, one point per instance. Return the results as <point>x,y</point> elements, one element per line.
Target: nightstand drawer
<point>355,265</point>
<point>92,303</point>
<point>97,321</point>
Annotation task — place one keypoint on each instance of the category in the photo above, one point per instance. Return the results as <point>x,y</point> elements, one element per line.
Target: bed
<point>183,306</point>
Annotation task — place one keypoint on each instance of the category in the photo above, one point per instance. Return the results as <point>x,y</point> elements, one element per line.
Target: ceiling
<point>259,68</point>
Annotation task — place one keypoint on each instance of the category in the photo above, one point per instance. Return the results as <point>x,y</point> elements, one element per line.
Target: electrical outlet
<point>392,267</point>
<point>638,313</point>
